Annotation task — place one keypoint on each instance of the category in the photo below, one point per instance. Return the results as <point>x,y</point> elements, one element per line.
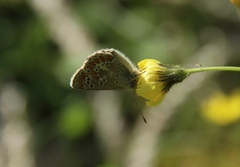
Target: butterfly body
<point>106,69</point>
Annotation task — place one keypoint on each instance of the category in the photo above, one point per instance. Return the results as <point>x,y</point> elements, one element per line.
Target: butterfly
<point>106,69</point>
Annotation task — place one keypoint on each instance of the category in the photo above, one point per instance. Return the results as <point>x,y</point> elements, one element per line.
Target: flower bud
<point>156,79</point>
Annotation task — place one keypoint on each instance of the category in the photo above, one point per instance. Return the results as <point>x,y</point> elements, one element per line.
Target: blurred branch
<point>64,29</point>
<point>109,123</point>
<point>143,148</point>
<point>15,133</point>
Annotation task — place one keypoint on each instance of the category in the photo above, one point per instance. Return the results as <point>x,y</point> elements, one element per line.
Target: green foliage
<point>74,120</point>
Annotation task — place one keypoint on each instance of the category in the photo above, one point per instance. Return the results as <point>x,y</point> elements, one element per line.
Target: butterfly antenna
<point>144,119</point>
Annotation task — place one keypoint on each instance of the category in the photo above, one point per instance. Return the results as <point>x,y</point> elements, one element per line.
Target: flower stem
<point>216,68</point>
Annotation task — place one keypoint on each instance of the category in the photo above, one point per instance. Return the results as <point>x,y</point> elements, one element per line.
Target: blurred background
<point>45,123</point>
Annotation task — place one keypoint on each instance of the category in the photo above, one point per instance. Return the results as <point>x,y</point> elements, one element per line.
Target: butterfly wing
<point>106,69</point>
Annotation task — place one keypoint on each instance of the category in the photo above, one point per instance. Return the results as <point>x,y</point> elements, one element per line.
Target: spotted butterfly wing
<point>105,69</point>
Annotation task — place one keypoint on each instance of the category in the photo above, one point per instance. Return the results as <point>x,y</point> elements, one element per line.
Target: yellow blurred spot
<point>236,3</point>
<point>222,109</point>
<point>149,85</point>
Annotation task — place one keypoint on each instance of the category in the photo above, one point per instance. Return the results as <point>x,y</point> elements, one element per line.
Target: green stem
<point>217,68</point>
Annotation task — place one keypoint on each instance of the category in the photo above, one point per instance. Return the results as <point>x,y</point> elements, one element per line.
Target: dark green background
<point>64,132</point>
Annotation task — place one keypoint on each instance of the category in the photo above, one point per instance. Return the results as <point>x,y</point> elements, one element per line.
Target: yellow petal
<point>149,85</point>
<point>236,3</point>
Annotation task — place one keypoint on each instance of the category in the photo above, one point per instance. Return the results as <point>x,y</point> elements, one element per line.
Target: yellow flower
<point>222,109</point>
<point>155,80</point>
<point>236,3</point>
